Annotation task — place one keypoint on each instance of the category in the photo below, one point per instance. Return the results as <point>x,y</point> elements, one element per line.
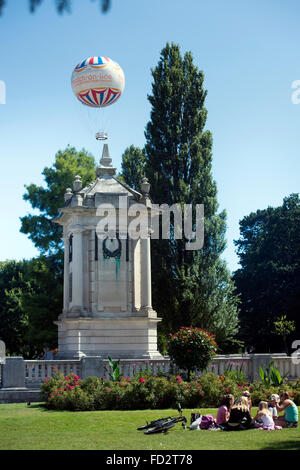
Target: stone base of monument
<point>126,337</point>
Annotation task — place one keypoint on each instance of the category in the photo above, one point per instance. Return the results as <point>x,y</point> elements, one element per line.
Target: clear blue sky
<point>247,49</point>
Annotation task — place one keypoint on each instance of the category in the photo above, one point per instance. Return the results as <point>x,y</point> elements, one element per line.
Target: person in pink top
<point>224,410</point>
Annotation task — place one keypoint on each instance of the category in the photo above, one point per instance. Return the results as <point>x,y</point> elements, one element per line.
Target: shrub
<point>78,399</point>
<point>260,391</point>
<point>271,375</point>
<point>143,392</point>
<point>192,348</point>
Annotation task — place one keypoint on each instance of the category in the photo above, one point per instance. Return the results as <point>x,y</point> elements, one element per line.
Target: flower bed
<point>151,392</point>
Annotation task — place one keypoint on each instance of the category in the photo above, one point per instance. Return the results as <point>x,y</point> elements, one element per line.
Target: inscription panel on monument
<point>112,275</point>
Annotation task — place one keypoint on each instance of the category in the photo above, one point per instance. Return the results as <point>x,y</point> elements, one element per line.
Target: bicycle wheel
<point>162,428</point>
<point>180,419</point>
<point>153,423</point>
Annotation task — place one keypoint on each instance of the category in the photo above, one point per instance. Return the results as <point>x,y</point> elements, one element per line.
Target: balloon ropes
<point>98,82</point>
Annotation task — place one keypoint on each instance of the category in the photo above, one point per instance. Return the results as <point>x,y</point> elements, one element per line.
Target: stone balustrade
<point>30,374</point>
<point>36,371</point>
<point>128,367</point>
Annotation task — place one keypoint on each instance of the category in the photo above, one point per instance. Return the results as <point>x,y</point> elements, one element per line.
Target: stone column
<point>77,272</point>
<point>146,295</point>
<point>66,273</point>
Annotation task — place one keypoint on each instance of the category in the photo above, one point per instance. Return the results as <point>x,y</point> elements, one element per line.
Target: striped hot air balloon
<point>98,81</point>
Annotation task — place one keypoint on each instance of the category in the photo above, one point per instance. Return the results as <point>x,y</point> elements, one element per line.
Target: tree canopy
<point>26,314</point>
<point>269,278</point>
<point>60,5</point>
<point>133,167</point>
<point>46,235</point>
<point>189,287</point>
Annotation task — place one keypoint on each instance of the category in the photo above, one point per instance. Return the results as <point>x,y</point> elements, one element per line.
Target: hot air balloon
<point>98,82</point>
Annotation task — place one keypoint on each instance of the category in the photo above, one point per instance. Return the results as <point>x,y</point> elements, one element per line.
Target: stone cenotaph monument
<point>107,306</point>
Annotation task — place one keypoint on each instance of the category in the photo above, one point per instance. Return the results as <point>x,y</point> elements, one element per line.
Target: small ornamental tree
<point>192,348</point>
<point>283,328</point>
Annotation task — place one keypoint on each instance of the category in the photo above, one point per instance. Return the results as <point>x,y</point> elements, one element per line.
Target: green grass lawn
<point>36,428</point>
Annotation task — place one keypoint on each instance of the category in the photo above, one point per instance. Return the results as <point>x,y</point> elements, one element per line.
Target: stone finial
<point>68,194</point>
<point>105,170</point>
<point>105,159</point>
<point>77,184</point>
<point>145,186</point>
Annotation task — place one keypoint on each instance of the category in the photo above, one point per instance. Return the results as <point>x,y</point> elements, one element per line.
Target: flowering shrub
<point>152,392</point>
<point>260,391</point>
<point>192,348</point>
<point>65,392</point>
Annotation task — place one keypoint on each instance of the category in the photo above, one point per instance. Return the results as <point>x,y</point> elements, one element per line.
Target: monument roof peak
<point>106,169</point>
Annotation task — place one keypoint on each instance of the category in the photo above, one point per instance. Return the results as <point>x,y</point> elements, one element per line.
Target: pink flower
<point>142,380</point>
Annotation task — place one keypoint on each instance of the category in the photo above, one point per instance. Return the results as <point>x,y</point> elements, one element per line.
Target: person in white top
<point>274,399</point>
<point>264,416</point>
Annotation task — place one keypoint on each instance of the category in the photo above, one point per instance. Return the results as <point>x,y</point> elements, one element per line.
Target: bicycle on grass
<point>164,424</point>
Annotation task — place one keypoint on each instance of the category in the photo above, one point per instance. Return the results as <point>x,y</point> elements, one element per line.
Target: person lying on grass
<point>290,417</point>
<point>264,419</point>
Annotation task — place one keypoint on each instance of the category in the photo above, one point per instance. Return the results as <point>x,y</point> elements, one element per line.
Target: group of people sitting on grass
<point>233,416</point>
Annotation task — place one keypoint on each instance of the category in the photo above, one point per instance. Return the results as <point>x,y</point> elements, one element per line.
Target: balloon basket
<point>101,136</point>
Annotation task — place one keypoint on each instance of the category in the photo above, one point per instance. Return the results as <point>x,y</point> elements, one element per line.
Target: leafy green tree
<point>13,318</point>
<point>189,287</point>
<point>60,5</point>
<point>284,328</point>
<point>42,303</point>
<point>46,235</point>
<point>269,278</point>
<point>26,314</point>
<point>133,167</point>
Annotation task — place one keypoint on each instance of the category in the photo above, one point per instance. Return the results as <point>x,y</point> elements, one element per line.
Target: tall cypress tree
<point>133,167</point>
<point>189,287</point>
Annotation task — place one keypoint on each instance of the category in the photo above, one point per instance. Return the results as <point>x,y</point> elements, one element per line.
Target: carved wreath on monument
<point>112,248</point>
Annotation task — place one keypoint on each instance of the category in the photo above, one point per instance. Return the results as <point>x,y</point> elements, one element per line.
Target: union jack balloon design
<point>98,81</point>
